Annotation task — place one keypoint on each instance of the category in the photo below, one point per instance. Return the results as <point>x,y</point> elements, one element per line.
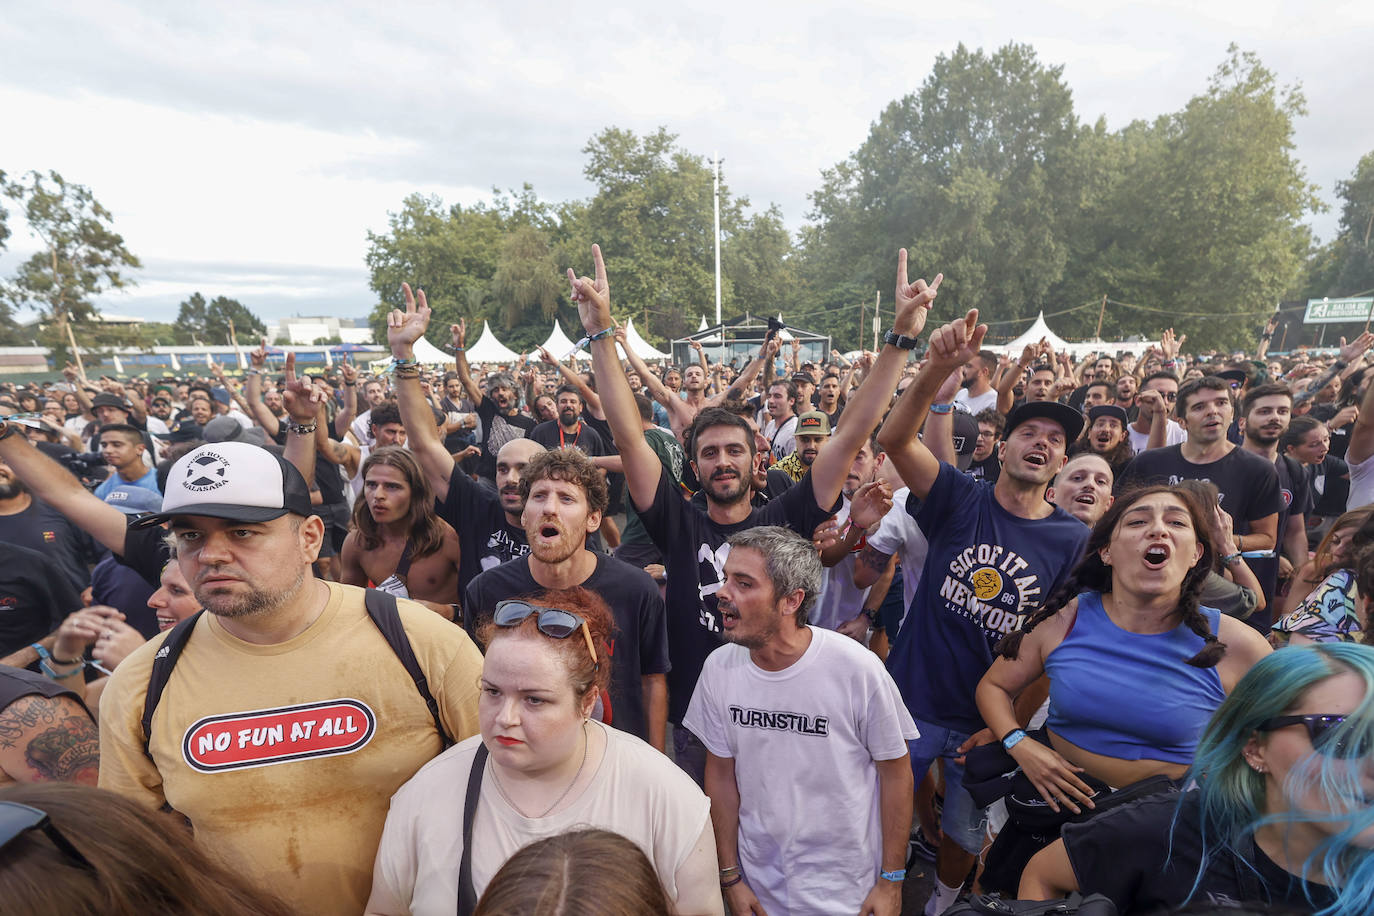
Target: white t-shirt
<point>1174,435</point>
<point>362,428</point>
<point>783,438</point>
<point>975,404</point>
<point>804,741</point>
<point>637,792</point>
<point>840,599</point>
<point>1361,484</point>
<point>899,532</point>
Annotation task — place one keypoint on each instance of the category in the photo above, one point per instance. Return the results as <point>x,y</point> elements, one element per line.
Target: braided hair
<point>1094,575</point>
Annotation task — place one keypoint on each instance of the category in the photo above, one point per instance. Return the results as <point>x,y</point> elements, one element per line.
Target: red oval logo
<point>270,736</point>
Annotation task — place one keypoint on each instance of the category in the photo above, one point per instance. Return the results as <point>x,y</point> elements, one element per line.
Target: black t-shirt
<point>485,538</point>
<point>16,683</point>
<point>1330,486</point>
<point>639,645</point>
<point>988,469</point>
<point>1340,438</point>
<point>35,597</point>
<point>497,430</point>
<point>694,551</point>
<point>585,438</point>
<point>1147,863</point>
<point>146,552</point>
<point>1295,494</point>
<point>42,528</point>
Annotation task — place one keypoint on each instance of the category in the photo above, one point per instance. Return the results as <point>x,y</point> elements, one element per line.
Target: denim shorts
<point>961,820</point>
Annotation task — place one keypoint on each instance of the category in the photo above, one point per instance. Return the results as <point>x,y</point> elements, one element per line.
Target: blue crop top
<point>1130,695</point>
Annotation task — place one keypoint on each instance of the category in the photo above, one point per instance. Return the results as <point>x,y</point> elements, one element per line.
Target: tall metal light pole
<point>715,162</point>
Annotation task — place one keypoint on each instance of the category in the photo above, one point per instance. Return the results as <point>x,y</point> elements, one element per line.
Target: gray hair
<point>790,560</point>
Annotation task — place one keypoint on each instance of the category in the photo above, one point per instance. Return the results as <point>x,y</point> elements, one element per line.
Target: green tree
<point>973,174</point>
<point>204,322</point>
<point>1345,266</point>
<point>80,254</point>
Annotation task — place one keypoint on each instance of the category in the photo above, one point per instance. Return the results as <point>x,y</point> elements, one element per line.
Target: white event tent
<point>426,354</point>
<point>488,349</point>
<point>1040,330</point>
<point>641,347</point>
<point>561,346</point>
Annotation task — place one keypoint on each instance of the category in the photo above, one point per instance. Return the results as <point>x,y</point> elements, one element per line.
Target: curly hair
<point>570,466</point>
<point>1091,574</point>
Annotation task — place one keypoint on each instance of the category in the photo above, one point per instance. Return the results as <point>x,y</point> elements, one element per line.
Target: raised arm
<point>939,431</point>
<point>641,464</point>
<point>257,360</point>
<point>1362,433</point>
<point>304,404</point>
<point>403,328</point>
<point>1006,385</point>
<point>950,347</point>
<point>740,387</point>
<point>589,397</point>
<point>1349,352</point>
<point>460,337</point>
<point>343,420</point>
<point>676,407</point>
<point>56,486</point>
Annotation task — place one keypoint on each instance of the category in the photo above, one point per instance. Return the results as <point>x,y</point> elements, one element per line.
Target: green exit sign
<point>1333,311</point>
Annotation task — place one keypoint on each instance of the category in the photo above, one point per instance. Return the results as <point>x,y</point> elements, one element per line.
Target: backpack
<point>381,607</point>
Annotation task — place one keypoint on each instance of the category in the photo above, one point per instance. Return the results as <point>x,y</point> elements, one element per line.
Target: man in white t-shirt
<point>1165,388</point>
<point>807,768</point>
<point>781,431</point>
<point>976,393</point>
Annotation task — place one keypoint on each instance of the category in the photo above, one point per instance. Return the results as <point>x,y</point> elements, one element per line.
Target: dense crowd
<point>620,638</point>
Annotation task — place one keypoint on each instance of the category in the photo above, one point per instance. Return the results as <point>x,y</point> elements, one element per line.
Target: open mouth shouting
<point>1036,458</point>
<point>1156,556</point>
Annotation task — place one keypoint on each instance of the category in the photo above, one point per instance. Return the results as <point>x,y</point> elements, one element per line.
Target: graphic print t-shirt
<point>694,551</point>
<point>485,538</point>
<point>985,570</point>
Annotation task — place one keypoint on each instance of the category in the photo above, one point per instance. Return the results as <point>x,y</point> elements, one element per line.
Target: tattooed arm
<point>46,739</point>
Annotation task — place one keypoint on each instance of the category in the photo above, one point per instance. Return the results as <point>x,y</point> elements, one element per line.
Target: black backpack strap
<point>403,565</point>
<point>381,607</point>
<point>163,663</point>
<point>467,895</point>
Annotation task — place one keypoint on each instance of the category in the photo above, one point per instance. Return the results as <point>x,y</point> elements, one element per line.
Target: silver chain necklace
<point>559,800</point>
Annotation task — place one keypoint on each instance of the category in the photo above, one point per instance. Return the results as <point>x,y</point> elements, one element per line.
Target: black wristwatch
<point>900,341</point>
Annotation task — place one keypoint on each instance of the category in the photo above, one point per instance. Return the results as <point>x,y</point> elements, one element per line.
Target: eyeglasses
<point>17,820</point>
<point>551,621</point>
<point>1324,733</point>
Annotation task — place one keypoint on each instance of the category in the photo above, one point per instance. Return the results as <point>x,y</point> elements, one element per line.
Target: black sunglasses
<point>1323,732</point>
<point>17,820</point>
<point>552,621</point>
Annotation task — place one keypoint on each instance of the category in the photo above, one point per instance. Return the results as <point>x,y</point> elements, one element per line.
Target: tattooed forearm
<point>24,714</point>
<point>68,752</point>
<point>874,559</point>
<point>48,738</point>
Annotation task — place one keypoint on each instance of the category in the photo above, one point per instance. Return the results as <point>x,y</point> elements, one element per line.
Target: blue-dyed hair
<point>1232,795</point>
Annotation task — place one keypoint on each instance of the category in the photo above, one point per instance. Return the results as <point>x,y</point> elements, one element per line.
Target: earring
<point>1258,768</point>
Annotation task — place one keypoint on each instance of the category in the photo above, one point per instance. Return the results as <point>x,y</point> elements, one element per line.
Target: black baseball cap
<point>1063,414</point>
<point>1108,410</point>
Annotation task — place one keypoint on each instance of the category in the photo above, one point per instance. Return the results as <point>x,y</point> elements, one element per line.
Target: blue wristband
<point>1013,738</point>
<point>893,876</point>
<point>942,408</point>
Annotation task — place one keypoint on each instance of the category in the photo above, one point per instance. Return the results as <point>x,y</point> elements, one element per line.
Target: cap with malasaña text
<point>231,480</point>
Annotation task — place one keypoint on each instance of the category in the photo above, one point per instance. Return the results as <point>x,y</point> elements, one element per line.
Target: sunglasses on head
<point>1323,732</point>
<point>17,820</point>
<point>551,621</point>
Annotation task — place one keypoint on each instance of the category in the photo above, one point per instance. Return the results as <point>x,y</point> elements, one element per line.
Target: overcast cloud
<point>247,148</point>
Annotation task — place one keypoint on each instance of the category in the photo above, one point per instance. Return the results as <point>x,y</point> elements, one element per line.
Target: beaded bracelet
<point>410,371</point>
<point>301,429</point>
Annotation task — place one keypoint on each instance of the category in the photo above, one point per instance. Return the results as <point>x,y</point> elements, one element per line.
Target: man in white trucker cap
<point>280,722</point>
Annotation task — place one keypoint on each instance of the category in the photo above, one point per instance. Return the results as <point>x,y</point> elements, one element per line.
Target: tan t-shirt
<point>637,792</point>
<point>283,757</point>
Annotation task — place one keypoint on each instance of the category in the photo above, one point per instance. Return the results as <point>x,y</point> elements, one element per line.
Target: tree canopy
<point>204,322</point>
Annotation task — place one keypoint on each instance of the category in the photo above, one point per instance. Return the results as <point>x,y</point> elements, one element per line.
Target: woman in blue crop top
<point>1135,666</point>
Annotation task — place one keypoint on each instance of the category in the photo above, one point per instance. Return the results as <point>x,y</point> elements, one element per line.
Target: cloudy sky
<point>246,148</point>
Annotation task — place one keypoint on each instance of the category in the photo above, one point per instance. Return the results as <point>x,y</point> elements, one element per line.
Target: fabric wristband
<point>942,408</point>
<point>893,876</point>
<point>1013,738</point>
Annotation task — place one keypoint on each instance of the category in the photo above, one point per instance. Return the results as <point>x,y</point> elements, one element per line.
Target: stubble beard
<point>257,601</point>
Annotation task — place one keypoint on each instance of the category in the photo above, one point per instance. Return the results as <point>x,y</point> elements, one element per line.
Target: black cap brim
<point>212,510</point>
